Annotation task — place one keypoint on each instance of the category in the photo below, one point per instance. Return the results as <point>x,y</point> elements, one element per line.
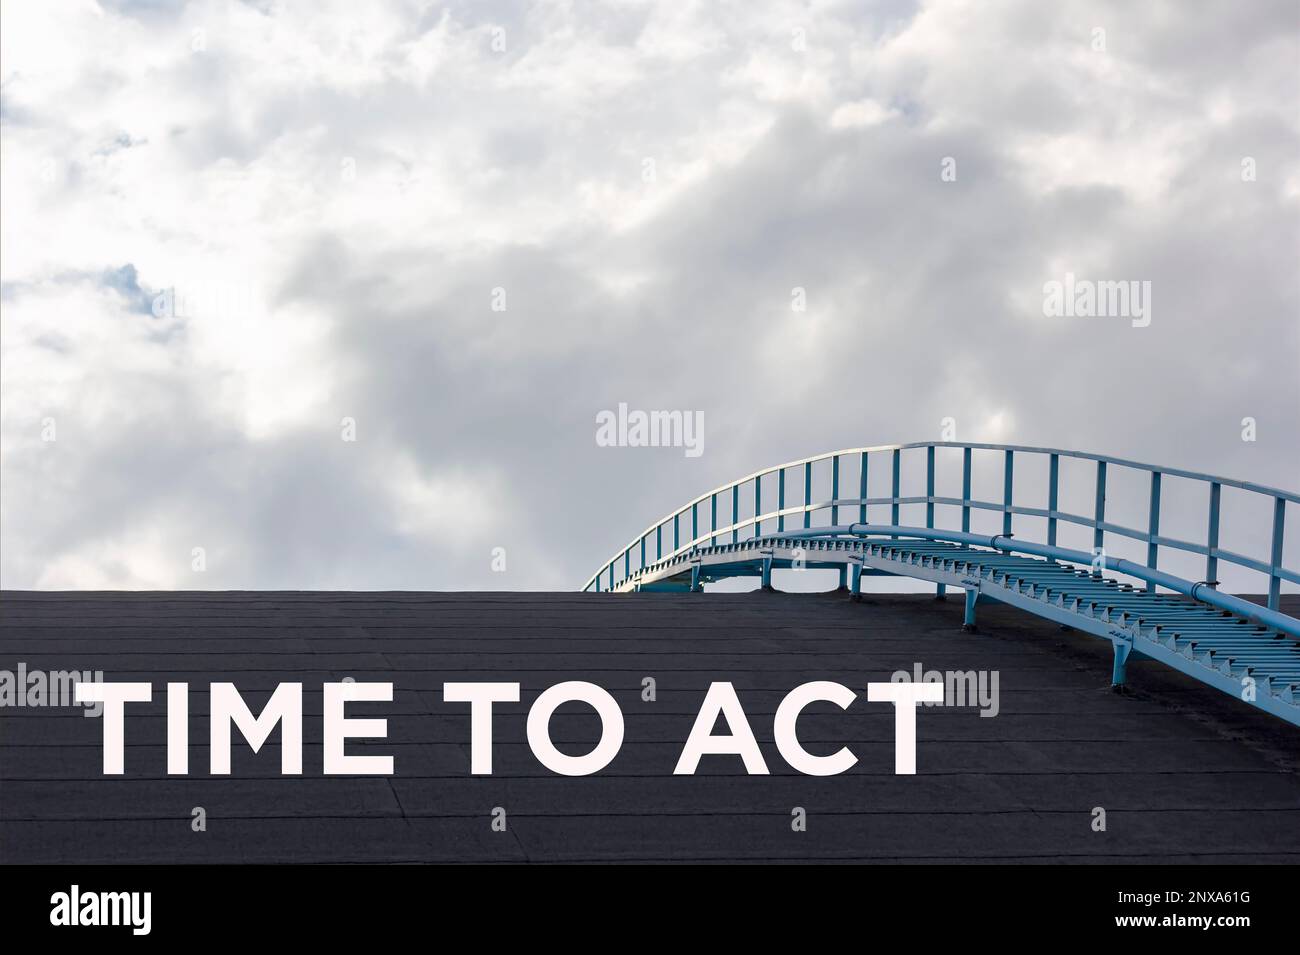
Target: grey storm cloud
<point>346,209</point>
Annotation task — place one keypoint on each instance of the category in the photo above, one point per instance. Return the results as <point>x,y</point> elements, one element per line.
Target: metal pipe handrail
<point>1272,567</point>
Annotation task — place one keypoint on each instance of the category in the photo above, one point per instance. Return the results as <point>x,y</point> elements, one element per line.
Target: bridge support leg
<point>844,574</point>
<point>1121,663</point>
<point>767,573</point>
<point>695,579</point>
<point>941,592</point>
<point>857,581</point>
<point>972,597</point>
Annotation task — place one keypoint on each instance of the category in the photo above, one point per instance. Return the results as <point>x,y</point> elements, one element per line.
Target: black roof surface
<point>1185,773</point>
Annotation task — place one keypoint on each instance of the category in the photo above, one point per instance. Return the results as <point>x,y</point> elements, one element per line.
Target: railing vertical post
<point>677,532</point>
<point>758,505</point>
<point>735,513</point>
<point>1053,495</point>
<point>835,489</point>
<point>965,489</point>
<point>1008,469</point>
<point>627,563</point>
<point>929,486</point>
<point>862,490</point>
<point>695,522</point>
<point>939,589</point>
<point>643,552</point>
<point>611,575</point>
<point>1275,563</point>
<point>898,470</point>
<point>713,519</point>
<point>1153,526</point>
<point>659,542</point>
<point>807,493</point>
<point>1099,517</point>
<point>780,501</point>
<point>1212,537</point>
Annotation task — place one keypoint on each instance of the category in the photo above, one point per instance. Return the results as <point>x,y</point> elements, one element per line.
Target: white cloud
<point>859,114</point>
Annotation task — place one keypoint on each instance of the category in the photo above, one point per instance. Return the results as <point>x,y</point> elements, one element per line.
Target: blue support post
<point>627,563</point>
<point>695,522</point>
<point>1275,563</point>
<point>972,598</point>
<point>643,552</point>
<point>758,505</point>
<point>695,579</point>
<point>857,581</point>
<point>1008,470</point>
<point>713,518</point>
<point>1053,496</point>
<point>1118,672</point>
<point>862,490</point>
<point>677,532</point>
<point>1153,527</point>
<point>1212,537</point>
<point>844,577</point>
<point>659,542</point>
<point>767,573</point>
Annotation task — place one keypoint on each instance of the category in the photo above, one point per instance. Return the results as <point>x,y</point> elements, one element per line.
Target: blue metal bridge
<point>1247,650</point>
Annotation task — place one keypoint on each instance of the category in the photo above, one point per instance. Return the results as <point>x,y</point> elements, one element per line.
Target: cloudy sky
<point>468,228</point>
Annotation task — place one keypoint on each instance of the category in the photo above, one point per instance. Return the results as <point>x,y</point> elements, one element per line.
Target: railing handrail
<point>1273,567</point>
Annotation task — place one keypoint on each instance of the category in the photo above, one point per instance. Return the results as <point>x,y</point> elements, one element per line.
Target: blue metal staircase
<point>1249,651</point>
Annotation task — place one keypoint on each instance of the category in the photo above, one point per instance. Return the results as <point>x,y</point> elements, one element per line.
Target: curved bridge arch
<point>1246,650</point>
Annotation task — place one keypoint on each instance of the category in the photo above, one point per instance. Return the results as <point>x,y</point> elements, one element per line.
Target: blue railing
<point>697,523</point>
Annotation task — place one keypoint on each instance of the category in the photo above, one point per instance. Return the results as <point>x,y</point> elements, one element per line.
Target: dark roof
<point>1184,772</point>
